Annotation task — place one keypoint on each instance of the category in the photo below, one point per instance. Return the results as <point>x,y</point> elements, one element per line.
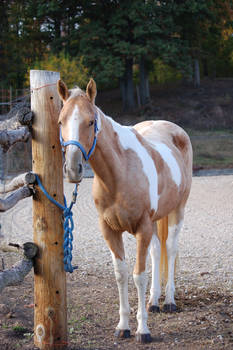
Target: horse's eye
<point>91,123</point>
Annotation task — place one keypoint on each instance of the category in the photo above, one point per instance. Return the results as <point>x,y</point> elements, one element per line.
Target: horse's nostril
<point>80,168</point>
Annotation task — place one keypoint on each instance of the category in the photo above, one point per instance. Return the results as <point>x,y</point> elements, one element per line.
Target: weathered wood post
<point>50,318</point>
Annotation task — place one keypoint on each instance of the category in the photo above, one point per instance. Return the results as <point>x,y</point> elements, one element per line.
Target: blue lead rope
<point>68,225</point>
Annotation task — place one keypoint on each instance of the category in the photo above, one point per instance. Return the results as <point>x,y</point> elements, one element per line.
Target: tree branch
<point>17,273</point>
<point>17,125</point>
<point>13,199</point>
<point>9,138</point>
<point>19,181</point>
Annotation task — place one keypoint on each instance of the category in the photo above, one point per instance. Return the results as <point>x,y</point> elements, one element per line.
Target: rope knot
<point>67,212</point>
<point>68,227</point>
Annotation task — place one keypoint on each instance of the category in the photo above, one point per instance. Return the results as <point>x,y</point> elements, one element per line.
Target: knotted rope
<point>68,225</point>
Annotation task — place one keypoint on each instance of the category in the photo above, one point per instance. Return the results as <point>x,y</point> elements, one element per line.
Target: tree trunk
<point>197,79</point>
<point>127,88</point>
<point>144,83</point>
<point>205,67</point>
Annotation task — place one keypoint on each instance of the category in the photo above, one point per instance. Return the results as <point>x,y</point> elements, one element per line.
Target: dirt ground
<point>203,284</point>
<point>203,320</point>
<point>205,312</point>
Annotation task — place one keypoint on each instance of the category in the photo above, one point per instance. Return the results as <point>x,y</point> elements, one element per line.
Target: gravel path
<point>206,240</point>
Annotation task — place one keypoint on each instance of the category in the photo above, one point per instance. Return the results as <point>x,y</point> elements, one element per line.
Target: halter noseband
<point>76,143</point>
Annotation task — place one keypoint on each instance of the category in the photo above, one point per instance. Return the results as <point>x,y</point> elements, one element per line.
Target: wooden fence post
<point>50,315</point>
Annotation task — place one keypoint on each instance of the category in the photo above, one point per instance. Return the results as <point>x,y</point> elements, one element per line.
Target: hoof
<point>153,308</point>
<point>122,333</point>
<point>169,308</point>
<point>143,338</point>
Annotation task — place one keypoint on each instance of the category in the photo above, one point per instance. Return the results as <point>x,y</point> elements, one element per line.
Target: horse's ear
<point>91,90</point>
<point>62,90</point>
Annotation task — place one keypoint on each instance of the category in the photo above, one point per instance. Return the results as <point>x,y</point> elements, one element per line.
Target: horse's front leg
<point>143,237</point>
<point>115,243</point>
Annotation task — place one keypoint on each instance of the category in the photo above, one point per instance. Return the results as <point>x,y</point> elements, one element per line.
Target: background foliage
<point>72,70</point>
<point>118,42</point>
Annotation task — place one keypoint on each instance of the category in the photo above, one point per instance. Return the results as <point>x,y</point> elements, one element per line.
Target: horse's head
<point>78,123</point>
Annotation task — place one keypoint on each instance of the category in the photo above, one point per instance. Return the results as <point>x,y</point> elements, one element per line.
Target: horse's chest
<point>121,213</point>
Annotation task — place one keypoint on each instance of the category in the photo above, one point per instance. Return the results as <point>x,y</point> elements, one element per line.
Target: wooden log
<point>9,137</point>
<point>19,181</point>
<point>12,199</point>
<point>50,316</point>
<point>17,273</point>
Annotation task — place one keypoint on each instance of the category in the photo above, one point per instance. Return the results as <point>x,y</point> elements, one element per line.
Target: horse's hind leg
<point>155,290</point>
<point>175,221</point>
<point>143,237</point>
<point>115,244</point>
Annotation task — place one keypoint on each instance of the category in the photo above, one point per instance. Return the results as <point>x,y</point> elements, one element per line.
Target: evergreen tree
<point>202,23</point>
<point>4,44</point>
<point>115,35</point>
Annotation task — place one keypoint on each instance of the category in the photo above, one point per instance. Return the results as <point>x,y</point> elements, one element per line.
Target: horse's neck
<point>106,160</point>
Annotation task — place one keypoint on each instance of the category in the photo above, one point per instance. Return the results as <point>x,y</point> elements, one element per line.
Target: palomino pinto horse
<point>142,175</point>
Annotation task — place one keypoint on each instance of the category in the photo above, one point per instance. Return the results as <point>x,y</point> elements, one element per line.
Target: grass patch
<point>212,149</point>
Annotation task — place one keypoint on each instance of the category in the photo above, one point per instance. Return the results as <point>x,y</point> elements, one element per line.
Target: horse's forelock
<point>76,91</point>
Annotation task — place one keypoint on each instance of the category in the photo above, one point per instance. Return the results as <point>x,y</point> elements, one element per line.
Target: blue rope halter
<point>68,225</point>
<point>78,144</point>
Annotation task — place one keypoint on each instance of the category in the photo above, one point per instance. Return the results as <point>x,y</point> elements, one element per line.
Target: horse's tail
<point>162,230</point>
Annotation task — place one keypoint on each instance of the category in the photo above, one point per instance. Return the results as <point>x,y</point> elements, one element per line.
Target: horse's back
<point>164,135</point>
<point>161,131</point>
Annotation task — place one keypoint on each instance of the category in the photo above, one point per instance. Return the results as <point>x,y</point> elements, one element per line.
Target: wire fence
<point>8,97</point>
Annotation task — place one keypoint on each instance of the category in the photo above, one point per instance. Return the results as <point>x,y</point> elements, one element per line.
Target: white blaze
<point>73,124</point>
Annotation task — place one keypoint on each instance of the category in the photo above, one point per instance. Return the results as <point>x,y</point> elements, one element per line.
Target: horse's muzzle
<point>73,167</point>
<point>73,175</point>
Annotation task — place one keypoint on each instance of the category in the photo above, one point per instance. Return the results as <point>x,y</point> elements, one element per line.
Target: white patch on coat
<point>129,140</point>
<point>141,284</point>
<point>145,128</point>
<point>167,156</point>
<point>155,290</point>
<point>121,273</point>
<point>172,248</point>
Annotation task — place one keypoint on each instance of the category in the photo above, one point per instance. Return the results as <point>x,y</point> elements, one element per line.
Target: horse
<point>142,180</point>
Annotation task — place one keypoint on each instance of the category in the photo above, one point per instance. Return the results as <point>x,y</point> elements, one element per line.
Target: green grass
<point>19,329</point>
<point>212,149</point>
